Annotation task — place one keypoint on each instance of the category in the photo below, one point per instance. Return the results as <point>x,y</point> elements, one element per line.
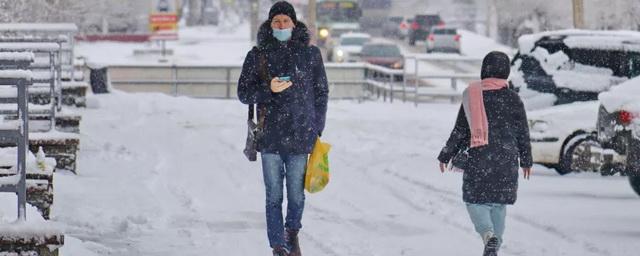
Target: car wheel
<point>577,156</point>
<point>412,41</point>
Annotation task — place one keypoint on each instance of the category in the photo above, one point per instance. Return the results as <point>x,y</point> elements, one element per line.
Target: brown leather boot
<point>292,239</point>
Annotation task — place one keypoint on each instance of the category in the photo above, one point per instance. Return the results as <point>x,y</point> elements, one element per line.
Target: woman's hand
<point>526,172</point>
<point>443,167</point>
<point>278,85</point>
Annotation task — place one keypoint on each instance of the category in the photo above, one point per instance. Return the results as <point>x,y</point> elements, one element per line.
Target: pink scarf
<point>473,102</point>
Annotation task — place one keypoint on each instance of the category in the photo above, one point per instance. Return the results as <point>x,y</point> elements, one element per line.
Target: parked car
<point>384,54</point>
<point>348,47</point>
<point>443,39</point>
<point>421,26</point>
<point>563,138</point>
<point>552,69</point>
<point>619,130</point>
<point>560,67</point>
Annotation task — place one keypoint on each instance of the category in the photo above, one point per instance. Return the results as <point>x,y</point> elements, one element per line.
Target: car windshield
<point>359,41</point>
<point>395,19</point>
<point>450,31</point>
<point>381,50</point>
<point>428,20</point>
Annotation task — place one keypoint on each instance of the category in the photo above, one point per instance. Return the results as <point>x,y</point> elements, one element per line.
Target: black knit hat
<point>283,7</point>
<point>495,65</point>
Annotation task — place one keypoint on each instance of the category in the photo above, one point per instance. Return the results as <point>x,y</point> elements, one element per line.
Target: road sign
<point>163,20</point>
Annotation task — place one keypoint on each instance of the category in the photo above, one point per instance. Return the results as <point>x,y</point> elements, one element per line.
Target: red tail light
<point>432,38</point>
<point>457,38</point>
<point>625,117</point>
<point>441,24</point>
<point>415,25</point>
<point>403,25</point>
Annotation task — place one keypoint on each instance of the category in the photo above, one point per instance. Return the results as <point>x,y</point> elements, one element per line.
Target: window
<point>378,50</point>
<point>353,41</point>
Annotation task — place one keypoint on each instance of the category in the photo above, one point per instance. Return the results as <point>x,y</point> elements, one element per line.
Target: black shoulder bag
<point>255,131</point>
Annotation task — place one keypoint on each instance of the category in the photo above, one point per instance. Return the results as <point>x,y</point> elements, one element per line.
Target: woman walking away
<point>489,140</point>
<point>285,76</point>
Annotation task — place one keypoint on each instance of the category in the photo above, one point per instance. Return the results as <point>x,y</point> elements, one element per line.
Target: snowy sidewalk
<point>166,176</point>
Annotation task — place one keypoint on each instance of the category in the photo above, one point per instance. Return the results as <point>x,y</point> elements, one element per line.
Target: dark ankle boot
<point>280,251</point>
<point>292,239</point>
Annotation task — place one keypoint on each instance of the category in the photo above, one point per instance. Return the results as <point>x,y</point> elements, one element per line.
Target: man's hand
<point>526,172</point>
<point>443,167</point>
<point>278,85</point>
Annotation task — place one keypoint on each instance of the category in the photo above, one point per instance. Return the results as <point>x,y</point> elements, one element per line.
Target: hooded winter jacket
<point>296,116</point>
<point>491,171</point>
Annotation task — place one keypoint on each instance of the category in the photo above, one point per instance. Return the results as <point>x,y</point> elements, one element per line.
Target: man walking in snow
<point>285,76</point>
<point>489,140</point>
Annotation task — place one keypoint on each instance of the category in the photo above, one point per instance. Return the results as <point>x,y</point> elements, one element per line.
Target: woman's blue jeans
<point>277,168</point>
<point>488,217</point>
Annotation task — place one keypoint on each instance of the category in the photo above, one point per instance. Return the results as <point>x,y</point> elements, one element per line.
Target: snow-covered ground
<point>166,176</point>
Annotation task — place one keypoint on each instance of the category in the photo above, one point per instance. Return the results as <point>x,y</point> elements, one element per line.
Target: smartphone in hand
<point>284,78</point>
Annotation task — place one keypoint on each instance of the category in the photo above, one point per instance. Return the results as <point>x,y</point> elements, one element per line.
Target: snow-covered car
<point>562,137</point>
<point>349,47</point>
<point>560,67</point>
<point>619,130</point>
<point>564,67</point>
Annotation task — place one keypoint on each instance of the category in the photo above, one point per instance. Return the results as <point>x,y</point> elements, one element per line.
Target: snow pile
<point>19,56</point>
<point>24,74</point>
<point>475,45</point>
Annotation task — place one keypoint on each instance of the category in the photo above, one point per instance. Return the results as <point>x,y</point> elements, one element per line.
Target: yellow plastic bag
<point>317,176</point>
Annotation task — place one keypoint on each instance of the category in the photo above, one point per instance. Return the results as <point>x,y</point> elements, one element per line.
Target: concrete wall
<point>345,81</point>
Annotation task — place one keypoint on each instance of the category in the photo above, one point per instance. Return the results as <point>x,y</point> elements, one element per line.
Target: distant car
<point>383,54</point>
<point>391,26</point>
<point>349,47</point>
<point>619,129</point>
<point>562,136</point>
<point>421,26</point>
<point>566,66</point>
<point>443,39</point>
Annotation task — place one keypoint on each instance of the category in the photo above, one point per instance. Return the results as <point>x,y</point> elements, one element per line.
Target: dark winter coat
<point>491,171</point>
<point>295,117</point>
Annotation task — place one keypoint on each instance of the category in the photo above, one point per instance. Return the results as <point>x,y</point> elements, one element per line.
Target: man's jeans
<point>275,169</point>
<point>488,217</point>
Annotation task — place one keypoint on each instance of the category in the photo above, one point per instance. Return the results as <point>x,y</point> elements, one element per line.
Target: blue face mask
<point>282,34</point>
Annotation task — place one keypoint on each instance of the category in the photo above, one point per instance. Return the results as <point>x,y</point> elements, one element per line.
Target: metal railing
<point>458,68</point>
<point>346,80</point>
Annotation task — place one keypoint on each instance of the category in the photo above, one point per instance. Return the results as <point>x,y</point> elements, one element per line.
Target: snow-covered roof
<point>61,27</point>
<point>580,38</point>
